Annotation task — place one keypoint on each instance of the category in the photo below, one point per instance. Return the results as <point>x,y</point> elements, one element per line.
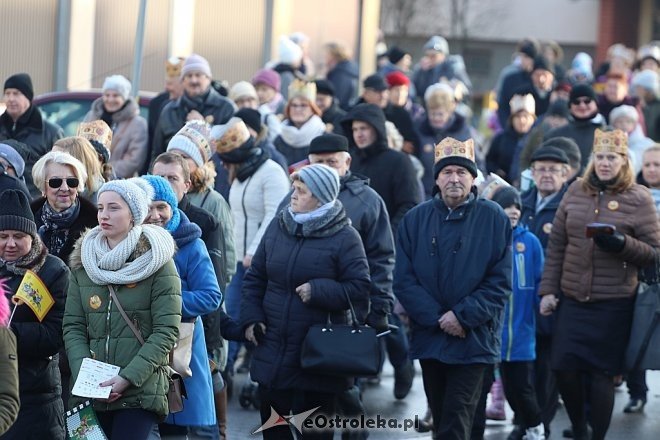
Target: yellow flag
<point>34,293</point>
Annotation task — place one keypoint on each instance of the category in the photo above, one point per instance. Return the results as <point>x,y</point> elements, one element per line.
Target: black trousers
<point>518,381</point>
<point>636,381</point>
<point>547,393</point>
<point>479,421</point>
<point>286,402</point>
<point>453,392</point>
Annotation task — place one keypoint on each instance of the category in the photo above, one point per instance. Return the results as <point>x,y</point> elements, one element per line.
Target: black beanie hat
<point>507,196</point>
<point>395,54</point>
<point>23,83</point>
<point>15,212</point>
<point>582,90</point>
<point>328,143</point>
<point>324,87</point>
<point>251,117</point>
<point>542,63</point>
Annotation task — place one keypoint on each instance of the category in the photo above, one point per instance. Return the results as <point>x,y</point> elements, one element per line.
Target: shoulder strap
<point>124,315</point>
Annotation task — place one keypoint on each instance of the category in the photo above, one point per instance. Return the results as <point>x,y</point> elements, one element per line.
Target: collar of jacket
<point>353,182</point>
<point>129,110</point>
<point>461,211</point>
<point>529,199</point>
<point>184,203</point>
<point>30,120</point>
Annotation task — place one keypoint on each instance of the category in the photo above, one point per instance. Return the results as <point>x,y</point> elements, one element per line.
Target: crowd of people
<point>236,218</point>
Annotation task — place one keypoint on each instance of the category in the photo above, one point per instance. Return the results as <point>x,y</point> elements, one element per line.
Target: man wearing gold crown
<point>453,277</point>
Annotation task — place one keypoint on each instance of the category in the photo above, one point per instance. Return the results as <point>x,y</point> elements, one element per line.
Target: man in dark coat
<point>453,277</point>
<point>438,63</point>
<point>199,101</point>
<point>550,171</point>
<point>23,121</point>
<point>390,172</point>
<point>585,120</point>
<point>376,91</point>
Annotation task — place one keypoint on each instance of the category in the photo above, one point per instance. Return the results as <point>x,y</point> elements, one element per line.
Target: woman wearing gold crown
<point>302,124</point>
<point>606,228</point>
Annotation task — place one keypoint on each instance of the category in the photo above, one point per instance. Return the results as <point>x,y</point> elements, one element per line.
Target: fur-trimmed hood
<point>75,260</point>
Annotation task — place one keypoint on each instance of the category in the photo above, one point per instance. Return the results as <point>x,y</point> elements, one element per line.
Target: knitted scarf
<point>115,266</point>
<point>250,166</point>
<point>332,219</point>
<point>301,137</point>
<point>33,260</point>
<point>54,230</point>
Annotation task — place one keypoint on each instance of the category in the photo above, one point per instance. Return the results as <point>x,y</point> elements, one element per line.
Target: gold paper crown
<point>198,132</point>
<point>302,89</point>
<point>523,103</point>
<point>452,147</point>
<point>173,67</point>
<point>230,136</point>
<point>612,141</point>
<point>96,131</point>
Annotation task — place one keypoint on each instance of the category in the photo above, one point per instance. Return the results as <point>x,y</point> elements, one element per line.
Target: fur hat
<point>242,89</point>
<point>193,139</point>
<point>520,103</point>
<point>610,141</point>
<point>163,192</point>
<point>21,82</point>
<point>136,192</point>
<point>15,212</point>
<point>119,84</point>
<point>322,181</point>
<point>454,152</point>
<point>268,77</point>
<point>196,63</point>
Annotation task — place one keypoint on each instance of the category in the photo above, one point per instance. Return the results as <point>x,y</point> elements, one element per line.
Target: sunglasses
<point>56,182</point>
<point>579,101</point>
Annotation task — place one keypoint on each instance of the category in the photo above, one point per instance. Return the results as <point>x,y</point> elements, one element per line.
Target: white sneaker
<point>535,433</point>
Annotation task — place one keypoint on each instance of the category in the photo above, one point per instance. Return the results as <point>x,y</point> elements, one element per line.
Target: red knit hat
<point>397,78</point>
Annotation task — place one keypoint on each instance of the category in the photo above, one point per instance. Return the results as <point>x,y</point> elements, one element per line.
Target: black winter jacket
<point>582,132</point>
<point>36,133</point>
<point>328,254</point>
<point>39,342</point>
<point>344,77</point>
<point>86,219</point>
<point>390,172</point>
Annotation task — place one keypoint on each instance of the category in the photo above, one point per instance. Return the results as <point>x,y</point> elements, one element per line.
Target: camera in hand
<point>599,229</point>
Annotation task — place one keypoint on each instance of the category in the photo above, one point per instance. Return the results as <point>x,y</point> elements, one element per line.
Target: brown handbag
<point>176,390</point>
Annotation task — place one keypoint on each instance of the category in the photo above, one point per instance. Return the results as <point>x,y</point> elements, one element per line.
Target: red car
<point>68,109</point>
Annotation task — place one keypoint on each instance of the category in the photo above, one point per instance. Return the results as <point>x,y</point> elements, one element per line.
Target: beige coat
<point>9,402</point>
<point>130,138</point>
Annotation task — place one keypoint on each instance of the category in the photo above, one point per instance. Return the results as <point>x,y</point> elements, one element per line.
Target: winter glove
<point>610,243</point>
<point>378,321</point>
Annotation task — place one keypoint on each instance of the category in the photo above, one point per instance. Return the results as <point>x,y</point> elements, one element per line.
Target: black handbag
<point>643,351</point>
<point>344,350</point>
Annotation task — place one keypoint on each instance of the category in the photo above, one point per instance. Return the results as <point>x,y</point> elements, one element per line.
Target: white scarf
<point>307,216</point>
<point>301,137</point>
<point>110,266</point>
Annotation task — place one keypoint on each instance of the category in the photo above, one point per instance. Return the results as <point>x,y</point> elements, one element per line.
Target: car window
<point>67,114</point>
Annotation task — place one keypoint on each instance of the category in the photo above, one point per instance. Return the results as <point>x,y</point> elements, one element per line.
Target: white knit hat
<point>119,84</point>
<point>193,139</point>
<point>289,52</point>
<point>242,89</point>
<point>136,192</point>
<point>196,63</point>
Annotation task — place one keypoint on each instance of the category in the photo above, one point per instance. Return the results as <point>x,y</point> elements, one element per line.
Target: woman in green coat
<point>136,260</point>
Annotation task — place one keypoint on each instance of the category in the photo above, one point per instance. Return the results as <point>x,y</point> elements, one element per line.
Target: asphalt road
<point>379,400</point>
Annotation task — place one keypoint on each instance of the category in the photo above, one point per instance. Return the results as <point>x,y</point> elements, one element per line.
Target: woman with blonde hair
<point>605,229</point>
<point>82,149</point>
<point>62,213</point>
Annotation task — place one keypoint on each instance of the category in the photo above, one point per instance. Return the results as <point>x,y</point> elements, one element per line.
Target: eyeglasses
<point>578,101</point>
<point>543,170</point>
<point>56,182</point>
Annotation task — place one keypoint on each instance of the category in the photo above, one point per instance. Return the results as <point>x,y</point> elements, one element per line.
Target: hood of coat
<point>186,232</point>
<point>75,260</point>
<point>372,115</point>
<point>128,111</point>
